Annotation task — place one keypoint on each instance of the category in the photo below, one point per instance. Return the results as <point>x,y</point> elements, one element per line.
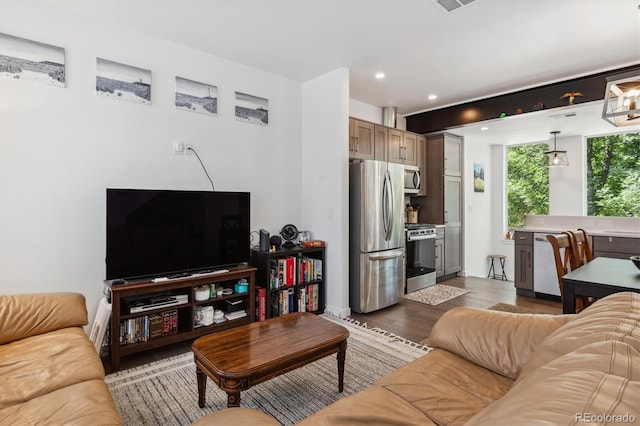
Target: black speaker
<point>276,241</point>
<point>264,240</point>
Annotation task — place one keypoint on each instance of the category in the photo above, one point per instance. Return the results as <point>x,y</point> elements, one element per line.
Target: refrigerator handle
<point>387,201</point>
<point>392,255</point>
<point>392,218</point>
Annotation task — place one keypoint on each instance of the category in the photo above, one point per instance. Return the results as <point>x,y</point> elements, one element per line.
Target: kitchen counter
<point>604,233</point>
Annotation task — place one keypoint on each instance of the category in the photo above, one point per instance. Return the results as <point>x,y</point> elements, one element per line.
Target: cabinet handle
<point>356,144</point>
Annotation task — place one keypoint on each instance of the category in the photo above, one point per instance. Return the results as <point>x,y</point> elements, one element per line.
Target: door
<point>361,143</point>
<point>439,257</point>
<point>381,145</point>
<point>410,143</point>
<point>396,178</point>
<point>452,156</point>
<point>396,146</point>
<point>452,197</point>
<point>381,280</point>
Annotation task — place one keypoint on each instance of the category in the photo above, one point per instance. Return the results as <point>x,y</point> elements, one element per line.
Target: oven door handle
<point>421,237</point>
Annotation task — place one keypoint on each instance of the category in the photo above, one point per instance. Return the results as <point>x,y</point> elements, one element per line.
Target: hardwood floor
<point>414,320</point>
<point>408,319</point>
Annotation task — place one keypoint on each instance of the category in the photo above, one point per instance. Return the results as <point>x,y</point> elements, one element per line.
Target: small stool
<point>492,269</point>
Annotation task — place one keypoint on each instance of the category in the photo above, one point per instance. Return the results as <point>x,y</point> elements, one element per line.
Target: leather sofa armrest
<point>25,315</point>
<point>499,341</point>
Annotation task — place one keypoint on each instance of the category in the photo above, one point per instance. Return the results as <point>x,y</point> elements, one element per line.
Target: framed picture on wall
<point>23,59</point>
<point>196,97</point>
<point>124,82</point>
<point>478,177</point>
<point>252,109</point>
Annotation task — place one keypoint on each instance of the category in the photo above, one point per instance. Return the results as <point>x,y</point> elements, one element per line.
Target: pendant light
<point>621,99</point>
<point>556,158</point>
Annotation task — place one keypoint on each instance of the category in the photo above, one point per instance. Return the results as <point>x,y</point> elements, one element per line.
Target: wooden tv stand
<point>178,320</point>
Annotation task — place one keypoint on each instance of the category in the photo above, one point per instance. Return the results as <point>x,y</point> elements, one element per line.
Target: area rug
<point>436,294</point>
<point>166,392</point>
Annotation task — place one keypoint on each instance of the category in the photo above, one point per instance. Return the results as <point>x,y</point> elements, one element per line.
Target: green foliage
<point>613,175</point>
<point>527,182</point>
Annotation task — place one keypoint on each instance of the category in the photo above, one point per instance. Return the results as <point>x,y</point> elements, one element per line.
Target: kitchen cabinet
<point>523,262</point>
<point>439,252</point>
<point>361,140</point>
<point>381,142</point>
<point>617,247</point>
<point>403,147</point>
<point>422,163</point>
<point>443,186</point>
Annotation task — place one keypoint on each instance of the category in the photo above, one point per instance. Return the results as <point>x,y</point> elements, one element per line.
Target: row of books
<point>304,299</point>
<point>147,327</point>
<point>284,271</point>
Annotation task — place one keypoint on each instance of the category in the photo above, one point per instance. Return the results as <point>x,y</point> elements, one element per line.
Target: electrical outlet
<point>187,149</point>
<point>178,148</point>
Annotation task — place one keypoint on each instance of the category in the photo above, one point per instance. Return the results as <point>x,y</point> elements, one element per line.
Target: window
<point>613,175</point>
<point>527,182</point>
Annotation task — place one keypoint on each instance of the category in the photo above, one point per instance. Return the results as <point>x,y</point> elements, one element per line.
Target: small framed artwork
<point>23,59</point>
<point>252,109</point>
<point>478,177</point>
<point>124,82</point>
<point>196,97</point>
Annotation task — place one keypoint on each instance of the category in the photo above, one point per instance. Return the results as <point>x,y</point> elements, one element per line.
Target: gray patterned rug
<point>435,294</point>
<point>165,392</point>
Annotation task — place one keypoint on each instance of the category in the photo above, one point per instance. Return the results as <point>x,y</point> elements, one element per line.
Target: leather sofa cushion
<point>41,364</point>
<point>600,379</point>
<point>499,341</point>
<point>372,406</point>
<point>615,317</point>
<point>447,388</point>
<point>85,403</point>
<point>24,315</point>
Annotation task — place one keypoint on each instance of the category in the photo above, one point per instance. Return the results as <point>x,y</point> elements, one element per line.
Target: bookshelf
<point>292,279</point>
<point>174,319</point>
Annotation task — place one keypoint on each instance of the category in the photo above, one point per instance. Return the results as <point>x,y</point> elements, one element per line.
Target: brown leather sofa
<point>499,368</point>
<point>50,372</point>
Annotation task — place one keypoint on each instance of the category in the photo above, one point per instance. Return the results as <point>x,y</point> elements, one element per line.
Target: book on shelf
<point>302,299</point>
<point>315,296</point>
<point>235,315</point>
<point>261,306</point>
<point>311,243</point>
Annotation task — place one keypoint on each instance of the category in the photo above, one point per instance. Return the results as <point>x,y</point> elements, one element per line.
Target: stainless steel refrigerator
<point>376,235</point>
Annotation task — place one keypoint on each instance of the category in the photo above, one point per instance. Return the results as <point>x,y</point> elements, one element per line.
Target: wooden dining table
<point>599,278</point>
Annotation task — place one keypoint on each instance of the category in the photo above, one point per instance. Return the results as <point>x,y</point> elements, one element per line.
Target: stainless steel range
<point>421,256</point>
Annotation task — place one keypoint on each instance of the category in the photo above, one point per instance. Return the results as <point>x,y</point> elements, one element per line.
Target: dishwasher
<point>545,278</point>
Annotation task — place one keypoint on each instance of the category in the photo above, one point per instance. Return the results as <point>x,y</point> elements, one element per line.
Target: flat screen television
<point>154,233</point>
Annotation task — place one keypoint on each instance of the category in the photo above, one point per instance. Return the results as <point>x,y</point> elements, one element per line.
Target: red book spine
<point>311,308</point>
<point>291,271</point>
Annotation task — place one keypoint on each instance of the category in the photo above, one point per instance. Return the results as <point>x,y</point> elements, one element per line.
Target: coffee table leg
<point>341,357</point>
<point>233,399</point>
<point>202,386</point>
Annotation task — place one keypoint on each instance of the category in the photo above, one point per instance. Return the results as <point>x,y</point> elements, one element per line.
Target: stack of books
<point>235,315</point>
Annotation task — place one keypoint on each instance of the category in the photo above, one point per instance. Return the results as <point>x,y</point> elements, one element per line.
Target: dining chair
<point>581,247</point>
<point>564,260</point>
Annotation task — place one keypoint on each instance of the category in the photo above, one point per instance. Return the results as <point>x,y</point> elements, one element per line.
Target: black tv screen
<point>161,232</point>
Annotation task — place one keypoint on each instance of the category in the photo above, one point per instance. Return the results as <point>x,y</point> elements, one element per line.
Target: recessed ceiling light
<point>379,75</point>
<point>432,97</point>
<point>484,128</point>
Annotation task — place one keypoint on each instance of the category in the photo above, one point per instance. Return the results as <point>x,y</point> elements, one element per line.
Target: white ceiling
<point>485,48</point>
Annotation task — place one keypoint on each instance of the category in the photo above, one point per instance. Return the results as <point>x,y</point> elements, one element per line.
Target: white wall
<point>567,196</point>
<point>325,182</point>
<point>61,147</point>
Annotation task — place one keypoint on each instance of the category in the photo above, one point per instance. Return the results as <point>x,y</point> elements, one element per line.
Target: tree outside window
<point>527,182</point>
<point>613,175</point>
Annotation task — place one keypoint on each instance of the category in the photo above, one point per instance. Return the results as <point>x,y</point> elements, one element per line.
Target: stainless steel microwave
<point>412,180</point>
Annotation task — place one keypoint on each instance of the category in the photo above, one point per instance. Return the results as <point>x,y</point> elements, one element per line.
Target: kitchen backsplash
<point>589,223</point>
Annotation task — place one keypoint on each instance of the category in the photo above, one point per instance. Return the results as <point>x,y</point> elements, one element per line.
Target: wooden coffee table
<point>241,357</point>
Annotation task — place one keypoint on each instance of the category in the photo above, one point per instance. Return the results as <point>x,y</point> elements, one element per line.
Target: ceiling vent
<point>451,5</point>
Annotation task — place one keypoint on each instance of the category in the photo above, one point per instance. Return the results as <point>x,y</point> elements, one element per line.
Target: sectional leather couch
<point>499,368</point>
<point>50,372</point>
